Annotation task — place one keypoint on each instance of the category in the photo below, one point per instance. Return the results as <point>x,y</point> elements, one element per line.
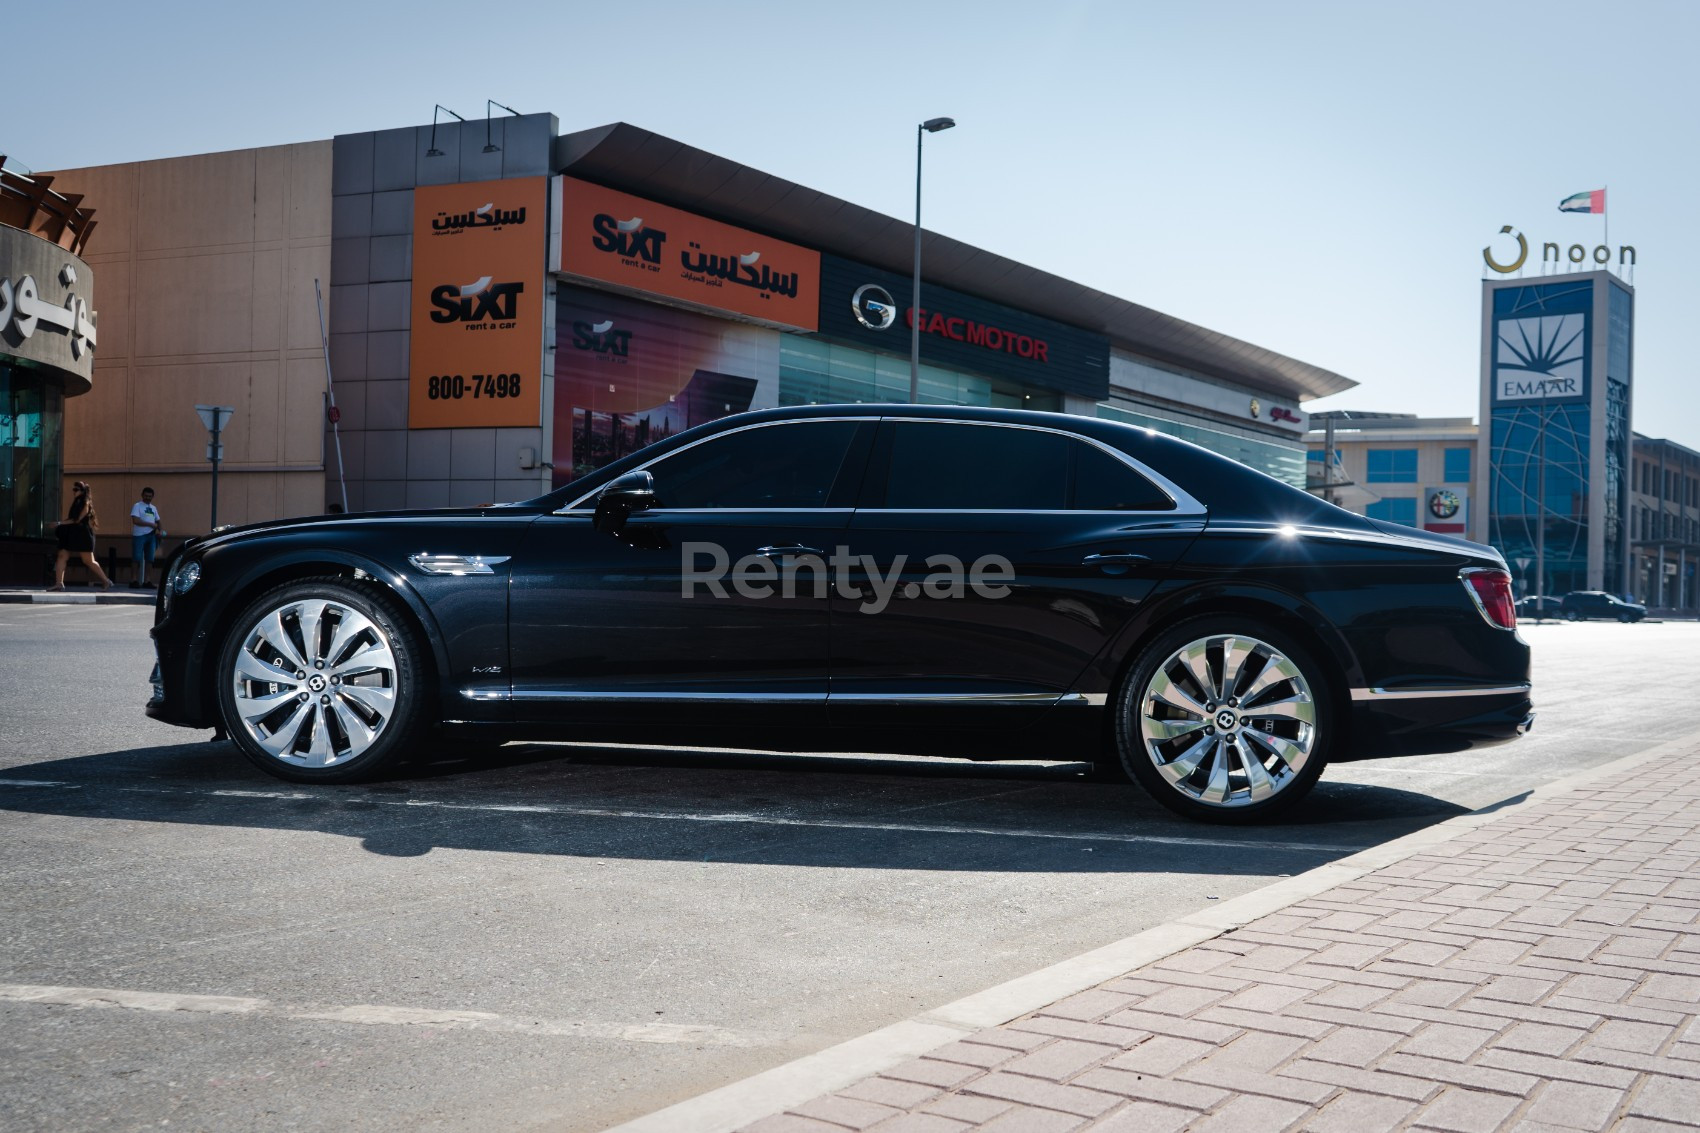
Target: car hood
<point>353,520</point>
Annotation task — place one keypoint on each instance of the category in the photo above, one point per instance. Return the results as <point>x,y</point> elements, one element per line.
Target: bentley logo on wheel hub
<point>316,682</point>
<point>1225,720</point>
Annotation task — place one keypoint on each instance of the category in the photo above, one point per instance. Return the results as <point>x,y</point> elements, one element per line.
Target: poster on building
<point>630,373</point>
<point>615,238</point>
<point>476,343</point>
<point>1540,342</point>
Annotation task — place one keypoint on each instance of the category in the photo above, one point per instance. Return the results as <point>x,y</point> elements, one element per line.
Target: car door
<point>704,608</point>
<point>994,563</point>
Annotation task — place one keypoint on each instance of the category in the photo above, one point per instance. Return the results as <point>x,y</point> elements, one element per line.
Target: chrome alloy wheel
<point>1228,720</point>
<point>315,682</point>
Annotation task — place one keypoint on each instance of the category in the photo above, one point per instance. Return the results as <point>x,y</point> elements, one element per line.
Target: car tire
<point>1572,616</point>
<point>323,681</point>
<point>1242,749</point>
<point>1625,618</point>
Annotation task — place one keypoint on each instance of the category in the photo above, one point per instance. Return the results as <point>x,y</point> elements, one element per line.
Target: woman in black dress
<point>76,537</point>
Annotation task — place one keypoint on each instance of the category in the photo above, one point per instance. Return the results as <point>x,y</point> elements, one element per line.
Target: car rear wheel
<point>322,681</point>
<point>1572,616</point>
<point>1225,720</point>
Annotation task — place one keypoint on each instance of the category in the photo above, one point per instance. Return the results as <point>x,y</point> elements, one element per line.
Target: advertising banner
<point>615,238</point>
<point>476,344</point>
<point>629,373</point>
<point>1541,342</point>
<point>870,308</point>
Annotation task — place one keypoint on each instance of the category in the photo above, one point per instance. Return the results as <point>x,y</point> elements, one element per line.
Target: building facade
<point>509,307</point>
<point>1400,467</point>
<point>1664,524</point>
<point>1557,368</point>
<point>48,337</point>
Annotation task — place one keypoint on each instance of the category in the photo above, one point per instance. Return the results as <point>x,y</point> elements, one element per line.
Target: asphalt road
<point>572,936</point>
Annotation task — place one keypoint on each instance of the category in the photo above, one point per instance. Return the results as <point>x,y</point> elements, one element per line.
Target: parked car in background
<point>1580,605</point>
<point>1544,606</point>
<point>1213,632</point>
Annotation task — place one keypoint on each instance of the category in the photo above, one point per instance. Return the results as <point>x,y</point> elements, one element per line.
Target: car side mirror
<point>624,495</point>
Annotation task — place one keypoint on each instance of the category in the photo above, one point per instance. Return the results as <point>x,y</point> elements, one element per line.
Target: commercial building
<point>47,340</point>
<point>1396,466</point>
<point>509,307</point>
<point>1664,524</point>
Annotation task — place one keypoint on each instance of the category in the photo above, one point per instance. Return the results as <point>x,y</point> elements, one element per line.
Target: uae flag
<point>1594,201</point>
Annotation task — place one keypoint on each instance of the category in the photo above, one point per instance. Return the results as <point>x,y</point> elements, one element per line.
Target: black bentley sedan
<point>943,580</point>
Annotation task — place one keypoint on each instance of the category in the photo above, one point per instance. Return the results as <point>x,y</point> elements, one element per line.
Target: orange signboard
<point>476,345</point>
<point>613,237</point>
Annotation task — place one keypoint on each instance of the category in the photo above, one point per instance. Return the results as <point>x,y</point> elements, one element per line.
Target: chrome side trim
<point>456,564</point>
<point>1185,503</point>
<point>873,698</point>
<point>1414,693</point>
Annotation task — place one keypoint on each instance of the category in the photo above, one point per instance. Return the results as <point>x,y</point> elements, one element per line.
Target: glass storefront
<point>1285,463</point>
<point>32,430</point>
<point>815,372</point>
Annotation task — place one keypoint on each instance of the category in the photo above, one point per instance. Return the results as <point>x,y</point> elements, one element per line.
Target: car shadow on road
<point>864,811</point>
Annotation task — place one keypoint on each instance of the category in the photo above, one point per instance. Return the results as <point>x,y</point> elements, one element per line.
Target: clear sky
<point>1318,178</point>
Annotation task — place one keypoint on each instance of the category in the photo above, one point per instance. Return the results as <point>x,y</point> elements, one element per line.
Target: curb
<point>69,598</point>
<point>761,1095</point>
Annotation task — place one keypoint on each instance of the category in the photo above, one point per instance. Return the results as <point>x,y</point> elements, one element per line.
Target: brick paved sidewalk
<point>1539,972</point>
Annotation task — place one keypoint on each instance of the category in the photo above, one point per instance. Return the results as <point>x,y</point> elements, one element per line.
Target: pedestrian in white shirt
<point>145,530</point>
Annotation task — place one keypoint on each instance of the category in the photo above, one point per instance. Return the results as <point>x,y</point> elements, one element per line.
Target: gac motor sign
<point>870,308</point>
<point>609,237</point>
<point>476,343</point>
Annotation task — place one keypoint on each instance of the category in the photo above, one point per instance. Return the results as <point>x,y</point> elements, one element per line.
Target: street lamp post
<point>930,126</point>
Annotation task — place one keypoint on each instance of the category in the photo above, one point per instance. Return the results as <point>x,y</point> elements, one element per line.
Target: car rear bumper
<point>1436,721</point>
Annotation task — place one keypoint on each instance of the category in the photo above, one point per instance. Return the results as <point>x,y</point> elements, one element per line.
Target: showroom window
<point>1457,466</point>
<point>1398,510</point>
<point>1392,465</point>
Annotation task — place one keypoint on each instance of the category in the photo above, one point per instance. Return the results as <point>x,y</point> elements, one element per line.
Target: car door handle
<point>791,549</point>
<point>1114,558</point>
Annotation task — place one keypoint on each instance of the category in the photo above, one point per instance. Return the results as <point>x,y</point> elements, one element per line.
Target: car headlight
<point>183,579</point>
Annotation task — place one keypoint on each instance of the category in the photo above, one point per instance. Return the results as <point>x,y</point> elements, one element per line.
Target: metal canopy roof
<point>625,157</point>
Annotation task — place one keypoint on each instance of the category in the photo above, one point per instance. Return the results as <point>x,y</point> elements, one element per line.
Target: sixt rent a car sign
<point>872,309</point>
<point>609,237</point>
<point>476,344</point>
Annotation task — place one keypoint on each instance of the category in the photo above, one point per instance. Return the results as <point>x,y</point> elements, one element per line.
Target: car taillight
<point>1491,590</point>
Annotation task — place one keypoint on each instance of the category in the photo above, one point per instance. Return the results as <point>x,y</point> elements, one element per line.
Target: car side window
<point>972,467</point>
<point>788,465</point>
<point>1103,483</point>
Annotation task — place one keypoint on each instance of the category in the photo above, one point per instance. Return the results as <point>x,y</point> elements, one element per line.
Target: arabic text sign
<point>613,237</point>
<point>476,347</point>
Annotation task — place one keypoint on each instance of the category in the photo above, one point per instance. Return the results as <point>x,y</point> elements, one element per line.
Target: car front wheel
<point>1225,720</point>
<point>322,681</point>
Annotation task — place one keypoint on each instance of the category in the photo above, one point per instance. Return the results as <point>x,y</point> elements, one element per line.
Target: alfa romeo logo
<point>1444,504</point>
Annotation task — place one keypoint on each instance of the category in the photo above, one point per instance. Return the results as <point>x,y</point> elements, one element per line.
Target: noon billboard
<point>476,343</point>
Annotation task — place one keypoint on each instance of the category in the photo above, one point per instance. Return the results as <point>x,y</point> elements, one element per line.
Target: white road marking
<point>375,1015</point>
<point>744,819</point>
